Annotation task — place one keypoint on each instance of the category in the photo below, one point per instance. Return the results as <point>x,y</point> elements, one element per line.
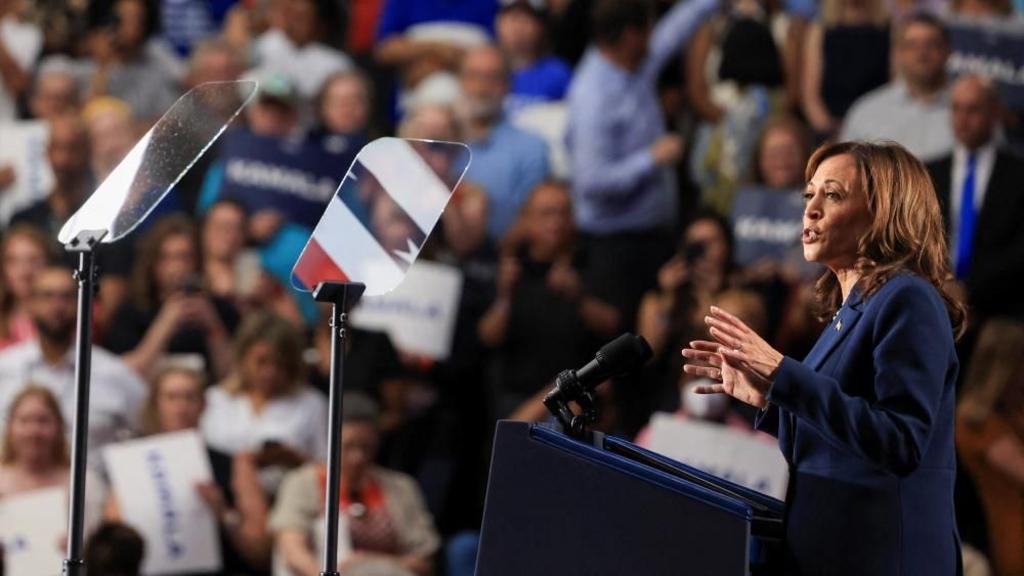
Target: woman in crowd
<point>34,453</point>
<point>168,310</point>
<point>848,31</point>
<point>235,496</point>
<point>670,316</point>
<point>866,420</point>
<point>265,406</point>
<point>388,528</point>
<point>23,251</point>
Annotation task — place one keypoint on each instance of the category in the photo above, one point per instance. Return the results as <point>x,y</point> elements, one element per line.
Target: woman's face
<point>345,107</point>
<point>35,431</point>
<point>836,213</point>
<point>224,232</point>
<point>781,161</point>
<point>176,261</point>
<point>21,260</point>
<point>263,370</point>
<point>549,223</point>
<point>179,402</point>
<point>358,450</point>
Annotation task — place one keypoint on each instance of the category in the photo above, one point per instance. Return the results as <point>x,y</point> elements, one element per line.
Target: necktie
<point>965,233</point>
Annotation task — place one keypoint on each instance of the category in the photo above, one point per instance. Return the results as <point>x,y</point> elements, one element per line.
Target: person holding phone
<point>866,420</point>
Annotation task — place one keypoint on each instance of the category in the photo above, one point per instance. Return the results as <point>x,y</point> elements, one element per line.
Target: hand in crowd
<point>667,150</point>
<point>743,362</point>
<point>264,224</point>
<point>278,454</point>
<point>7,176</point>
<point>214,498</point>
<point>673,274</point>
<point>563,280</point>
<point>509,272</point>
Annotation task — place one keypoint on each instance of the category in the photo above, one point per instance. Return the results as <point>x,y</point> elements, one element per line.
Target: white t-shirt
<point>307,66</point>
<point>23,42</point>
<point>298,420</point>
<point>116,393</point>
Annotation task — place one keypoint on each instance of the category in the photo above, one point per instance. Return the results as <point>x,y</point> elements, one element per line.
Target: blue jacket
<point>866,423</point>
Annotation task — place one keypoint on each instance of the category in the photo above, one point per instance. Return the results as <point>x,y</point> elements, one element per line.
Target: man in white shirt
<point>295,50</point>
<point>117,393</point>
<point>913,109</point>
<point>20,44</point>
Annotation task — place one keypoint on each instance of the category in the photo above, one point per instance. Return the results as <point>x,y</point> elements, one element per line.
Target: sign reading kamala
<point>24,152</point>
<point>767,224</point>
<point>293,177</point>
<point>384,209</point>
<point>155,480</point>
<point>993,49</point>
<point>727,453</point>
<point>419,315</point>
<point>31,529</point>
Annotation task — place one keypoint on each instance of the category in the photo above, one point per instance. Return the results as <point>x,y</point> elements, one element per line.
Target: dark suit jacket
<point>866,423</point>
<point>997,262</point>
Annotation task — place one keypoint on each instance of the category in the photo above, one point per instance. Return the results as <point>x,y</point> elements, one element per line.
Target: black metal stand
<point>86,275</point>
<point>568,389</point>
<point>342,297</point>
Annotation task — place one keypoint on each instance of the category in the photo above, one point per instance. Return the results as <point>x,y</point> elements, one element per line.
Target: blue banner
<point>994,50</point>
<point>767,224</point>
<point>294,177</point>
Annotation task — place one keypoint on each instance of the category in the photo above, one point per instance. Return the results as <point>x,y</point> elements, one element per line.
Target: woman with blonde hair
<point>24,251</point>
<point>34,451</point>
<point>265,405</point>
<point>866,420</point>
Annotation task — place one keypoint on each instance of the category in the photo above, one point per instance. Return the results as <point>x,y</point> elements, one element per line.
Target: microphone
<point>619,356</point>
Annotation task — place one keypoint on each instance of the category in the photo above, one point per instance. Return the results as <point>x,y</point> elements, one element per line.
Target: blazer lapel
<point>836,331</point>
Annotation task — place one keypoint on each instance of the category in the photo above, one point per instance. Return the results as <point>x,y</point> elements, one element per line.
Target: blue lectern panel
<point>577,510</point>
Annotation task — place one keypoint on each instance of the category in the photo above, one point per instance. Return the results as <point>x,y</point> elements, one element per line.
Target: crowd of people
<point>633,163</point>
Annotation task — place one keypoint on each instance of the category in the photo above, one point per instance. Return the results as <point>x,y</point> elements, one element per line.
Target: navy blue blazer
<point>866,423</point>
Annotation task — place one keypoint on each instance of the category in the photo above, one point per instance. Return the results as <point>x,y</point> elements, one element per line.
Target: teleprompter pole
<point>342,297</point>
<point>86,275</point>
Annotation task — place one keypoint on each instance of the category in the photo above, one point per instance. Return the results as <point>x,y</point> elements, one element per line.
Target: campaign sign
<point>994,50</point>
<point>154,480</point>
<point>32,528</point>
<point>24,152</point>
<point>295,177</point>
<point>723,451</point>
<point>419,315</point>
<point>766,224</point>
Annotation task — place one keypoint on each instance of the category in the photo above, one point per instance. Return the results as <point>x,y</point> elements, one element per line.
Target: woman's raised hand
<point>739,359</point>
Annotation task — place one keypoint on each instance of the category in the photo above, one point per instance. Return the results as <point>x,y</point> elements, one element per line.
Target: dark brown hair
<point>906,230</point>
<point>143,286</point>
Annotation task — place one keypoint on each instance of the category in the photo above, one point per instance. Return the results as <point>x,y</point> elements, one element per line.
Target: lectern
<point>599,505</point>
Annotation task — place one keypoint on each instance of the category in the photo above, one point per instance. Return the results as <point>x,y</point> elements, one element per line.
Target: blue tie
<point>965,234</point>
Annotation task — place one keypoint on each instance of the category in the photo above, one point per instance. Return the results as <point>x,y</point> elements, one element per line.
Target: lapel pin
<point>839,325</point>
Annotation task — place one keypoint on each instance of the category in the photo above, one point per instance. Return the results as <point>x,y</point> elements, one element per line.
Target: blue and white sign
<point>994,50</point>
<point>419,315</point>
<point>766,225</point>
<point>154,480</point>
<point>294,177</point>
<point>32,528</point>
<point>723,451</point>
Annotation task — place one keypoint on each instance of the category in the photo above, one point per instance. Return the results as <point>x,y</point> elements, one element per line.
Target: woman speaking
<point>866,420</point>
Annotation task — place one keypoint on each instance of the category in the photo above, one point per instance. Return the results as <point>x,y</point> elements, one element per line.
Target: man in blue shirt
<point>538,77</point>
<point>622,159</point>
<point>507,161</point>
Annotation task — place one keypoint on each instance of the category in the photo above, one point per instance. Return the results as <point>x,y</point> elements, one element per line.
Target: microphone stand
<point>87,276</point>
<point>567,389</point>
<point>342,296</point>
